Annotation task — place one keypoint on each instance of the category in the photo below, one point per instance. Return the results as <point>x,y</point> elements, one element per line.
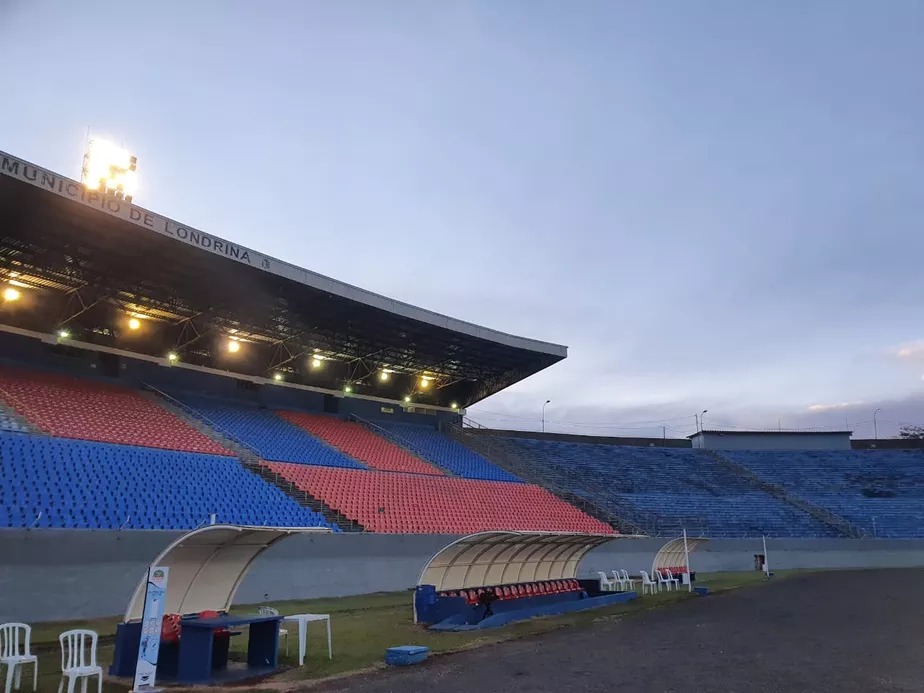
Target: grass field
<point>363,627</point>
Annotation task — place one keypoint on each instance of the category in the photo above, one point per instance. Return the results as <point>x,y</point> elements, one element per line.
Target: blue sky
<point>717,205</point>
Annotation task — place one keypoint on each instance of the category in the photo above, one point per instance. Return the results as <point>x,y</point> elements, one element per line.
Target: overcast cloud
<point>717,205</point>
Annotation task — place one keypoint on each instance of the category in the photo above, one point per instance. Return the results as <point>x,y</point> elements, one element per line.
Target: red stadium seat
<point>428,504</point>
<point>170,628</point>
<point>68,407</point>
<point>360,443</point>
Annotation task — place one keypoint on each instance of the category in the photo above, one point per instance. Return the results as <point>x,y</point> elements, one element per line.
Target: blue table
<point>197,637</point>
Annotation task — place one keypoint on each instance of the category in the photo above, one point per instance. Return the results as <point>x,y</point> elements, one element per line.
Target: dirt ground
<point>836,631</point>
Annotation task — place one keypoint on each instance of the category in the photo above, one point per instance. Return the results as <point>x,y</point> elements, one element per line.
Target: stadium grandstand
<point>153,376</point>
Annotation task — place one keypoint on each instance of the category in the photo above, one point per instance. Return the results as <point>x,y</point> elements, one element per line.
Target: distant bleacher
<point>681,488</point>
<point>76,484</point>
<point>880,491</point>
<point>410,503</point>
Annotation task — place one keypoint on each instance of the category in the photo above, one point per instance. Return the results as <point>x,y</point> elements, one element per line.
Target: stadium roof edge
<point>25,171</point>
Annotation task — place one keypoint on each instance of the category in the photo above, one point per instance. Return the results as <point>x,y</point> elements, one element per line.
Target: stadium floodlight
<point>234,346</point>
<point>134,323</point>
<point>316,361</point>
<point>277,377</point>
<point>424,382</point>
<point>384,375</point>
<point>172,357</point>
<point>10,294</point>
<point>110,169</point>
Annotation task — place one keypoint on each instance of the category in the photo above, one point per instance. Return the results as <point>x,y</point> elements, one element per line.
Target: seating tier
<point>446,452</point>
<point>67,407</point>
<point>360,443</point>
<point>80,484</point>
<point>271,436</point>
<point>419,504</point>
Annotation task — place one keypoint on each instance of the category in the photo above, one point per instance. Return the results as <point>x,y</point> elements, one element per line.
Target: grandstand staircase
<point>13,415</point>
<point>823,515</point>
<point>400,441</point>
<point>249,457</point>
<point>628,521</point>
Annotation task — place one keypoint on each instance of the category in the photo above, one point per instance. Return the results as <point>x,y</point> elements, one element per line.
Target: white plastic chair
<point>15,639</point>
<point>619,581</point>
<point>78,659</point>
<point>629,581</point>
<point>649,583</point>
<point>283,633</point>
<point>671,582</point>
<point>606,585</point>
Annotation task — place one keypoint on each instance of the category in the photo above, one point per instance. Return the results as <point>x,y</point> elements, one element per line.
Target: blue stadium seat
<point>275,439</point>
<point>64,483</point>
<point>680,488</point>
<point>881,491</point>
<point>445,452</point>
<point>8,423</point>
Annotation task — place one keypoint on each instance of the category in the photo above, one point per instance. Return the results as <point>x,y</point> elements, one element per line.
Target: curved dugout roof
<point>207,566</point>
<point>672,554</point>
<point>496,558</point>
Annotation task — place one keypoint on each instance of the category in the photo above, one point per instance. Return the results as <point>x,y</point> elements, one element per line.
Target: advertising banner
<point>155,597</point>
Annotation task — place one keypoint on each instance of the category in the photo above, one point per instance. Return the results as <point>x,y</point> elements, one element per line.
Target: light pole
<point>876,425</point>
<point>702,420</point>
<point>547,403</point>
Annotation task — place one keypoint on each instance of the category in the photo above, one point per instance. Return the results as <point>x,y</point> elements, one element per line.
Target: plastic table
<point>303,620</point>
<point>197,635</point>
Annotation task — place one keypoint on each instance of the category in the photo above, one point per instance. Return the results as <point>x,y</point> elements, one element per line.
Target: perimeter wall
<point>70,574</point>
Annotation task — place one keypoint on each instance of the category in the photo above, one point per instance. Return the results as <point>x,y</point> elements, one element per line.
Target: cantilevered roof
<point>93,258</point>
<point>207,566</point>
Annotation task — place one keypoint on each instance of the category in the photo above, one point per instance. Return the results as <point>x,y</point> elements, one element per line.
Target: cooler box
<point>406,655</point>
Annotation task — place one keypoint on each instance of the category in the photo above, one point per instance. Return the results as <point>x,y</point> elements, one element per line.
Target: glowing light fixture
<point>407,398</point>
<point>454,405</point>
<point>134,323</point>
<point>424,383</point>
<point>110,169</point>
<point>172,357</point>
<point>64,334</point>
<point>277,377</point>
<point>384,376</point>
<point>316,362</point>
<point>234,346</point>
<point>10,294</point>
<point>348,389</point>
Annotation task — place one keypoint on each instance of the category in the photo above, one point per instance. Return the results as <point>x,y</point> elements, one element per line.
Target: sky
<point>715,205</point>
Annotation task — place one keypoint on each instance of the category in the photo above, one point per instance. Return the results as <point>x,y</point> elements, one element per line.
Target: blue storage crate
<point>406,655</point>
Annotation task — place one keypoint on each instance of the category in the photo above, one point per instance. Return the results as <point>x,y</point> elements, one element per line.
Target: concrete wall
<point>771,440</point>
<point>70,574</point>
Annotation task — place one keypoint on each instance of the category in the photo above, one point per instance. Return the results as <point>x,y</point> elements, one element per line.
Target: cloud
<point>834,407</point>
<point>911,352</point>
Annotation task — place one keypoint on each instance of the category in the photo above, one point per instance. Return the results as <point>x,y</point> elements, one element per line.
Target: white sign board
<point>155,597</point>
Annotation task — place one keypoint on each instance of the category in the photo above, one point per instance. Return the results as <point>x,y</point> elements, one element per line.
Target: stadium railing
<point>821,514</point>
<point>400,441</point>
<point>627,523</point>
<point>253,460</point>
<point>199,416</point>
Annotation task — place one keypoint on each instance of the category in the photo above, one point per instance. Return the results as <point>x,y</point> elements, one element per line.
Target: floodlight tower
<point>109,169</point>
